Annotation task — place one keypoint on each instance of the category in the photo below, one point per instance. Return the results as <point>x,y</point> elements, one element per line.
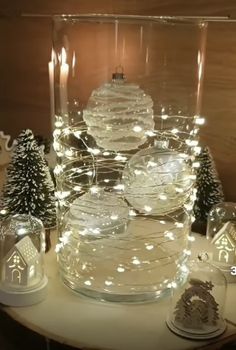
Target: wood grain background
<point>25,45</point>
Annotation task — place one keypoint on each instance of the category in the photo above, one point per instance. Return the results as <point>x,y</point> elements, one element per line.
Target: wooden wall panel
<point>25,51</point>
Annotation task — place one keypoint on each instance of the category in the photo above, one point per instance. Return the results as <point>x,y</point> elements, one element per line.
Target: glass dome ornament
<point>219,215</point>
<point>116,242</point>
<point>119,114</point>
<point>22,241</point>
<point>221,233</point>
<point>157,181</point>
<point>197,307</point>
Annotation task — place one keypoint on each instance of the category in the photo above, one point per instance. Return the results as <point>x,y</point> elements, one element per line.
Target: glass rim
<point>174,20</point>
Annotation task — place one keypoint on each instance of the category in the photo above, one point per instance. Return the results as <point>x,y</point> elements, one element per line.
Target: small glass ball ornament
<point>197,307</point>
<point>22,247</point>
<point>98,214</point>
<point>221,233</point>
<point>157,181</point>
<point>119,114</point>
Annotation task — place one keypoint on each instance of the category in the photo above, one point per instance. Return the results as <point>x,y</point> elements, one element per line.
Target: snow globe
<point>125,134</point>
<point>22,243</point>
<point>197,307</point>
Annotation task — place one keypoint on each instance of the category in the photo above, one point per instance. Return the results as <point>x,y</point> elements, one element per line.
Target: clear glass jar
<point>127,113</point>
<point>197,306</point>
<point>119,262</point>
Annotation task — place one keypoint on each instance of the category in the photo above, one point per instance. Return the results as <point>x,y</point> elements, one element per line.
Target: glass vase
<point>127,113</point>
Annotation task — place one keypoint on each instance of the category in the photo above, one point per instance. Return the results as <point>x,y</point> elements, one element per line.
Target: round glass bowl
<point>118,255</point>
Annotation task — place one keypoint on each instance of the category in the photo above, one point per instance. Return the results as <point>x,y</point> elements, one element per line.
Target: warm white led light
<point>119,187</point>
<point>3,211</point>
<point>169,235</point>
<point>95,189</point>
<point>94,151</point>
<point>62,194</point>
<point>149,246</point>
<point>147,208</point>
<point>88,283</point>
<point>58,124</point>
<point>58,169</point>
<point>108,283</point>
<point>191,143</point>
<point>179,224</point>
<point>137,128</point>
<point>120,158</point>
<point>199,121</point>
<point>187,252</point>
<point>150,133</point>
<point>69,153</point>
<point>196,165</point>
<point>136,261</point>
<point>164,116</point>
<point>120,269</point>
<point>132,213</point>
<point>163,197</point>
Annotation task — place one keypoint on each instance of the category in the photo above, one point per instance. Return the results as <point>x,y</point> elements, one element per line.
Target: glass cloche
<point>221,234</point>
<point>219,215</point>
<point>22,247</point>
<point>197,306</point>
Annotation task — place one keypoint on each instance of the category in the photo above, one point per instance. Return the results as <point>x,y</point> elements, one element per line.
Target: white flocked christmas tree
<point>209,188</point>
<point>29,188</point>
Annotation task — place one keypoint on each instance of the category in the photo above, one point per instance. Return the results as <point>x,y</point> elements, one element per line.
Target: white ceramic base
<point>24,298</point>
<point>190,335</point>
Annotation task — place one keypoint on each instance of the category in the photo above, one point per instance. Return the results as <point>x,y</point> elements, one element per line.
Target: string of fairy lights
<point>98,156</point>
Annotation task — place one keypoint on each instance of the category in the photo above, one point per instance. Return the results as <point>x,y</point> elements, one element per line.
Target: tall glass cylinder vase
<point>127,112</point>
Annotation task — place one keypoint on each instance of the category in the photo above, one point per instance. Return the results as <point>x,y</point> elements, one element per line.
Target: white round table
<point>72,319</point>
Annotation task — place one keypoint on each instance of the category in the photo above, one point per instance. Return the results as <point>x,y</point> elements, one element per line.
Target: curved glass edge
<point>198,21</point>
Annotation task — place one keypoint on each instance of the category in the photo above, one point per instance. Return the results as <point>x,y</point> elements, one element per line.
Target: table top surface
<point>72,319</point>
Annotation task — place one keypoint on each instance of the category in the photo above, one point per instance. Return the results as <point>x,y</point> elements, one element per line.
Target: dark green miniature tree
<point>29,188</point>
<point>209,188</point>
